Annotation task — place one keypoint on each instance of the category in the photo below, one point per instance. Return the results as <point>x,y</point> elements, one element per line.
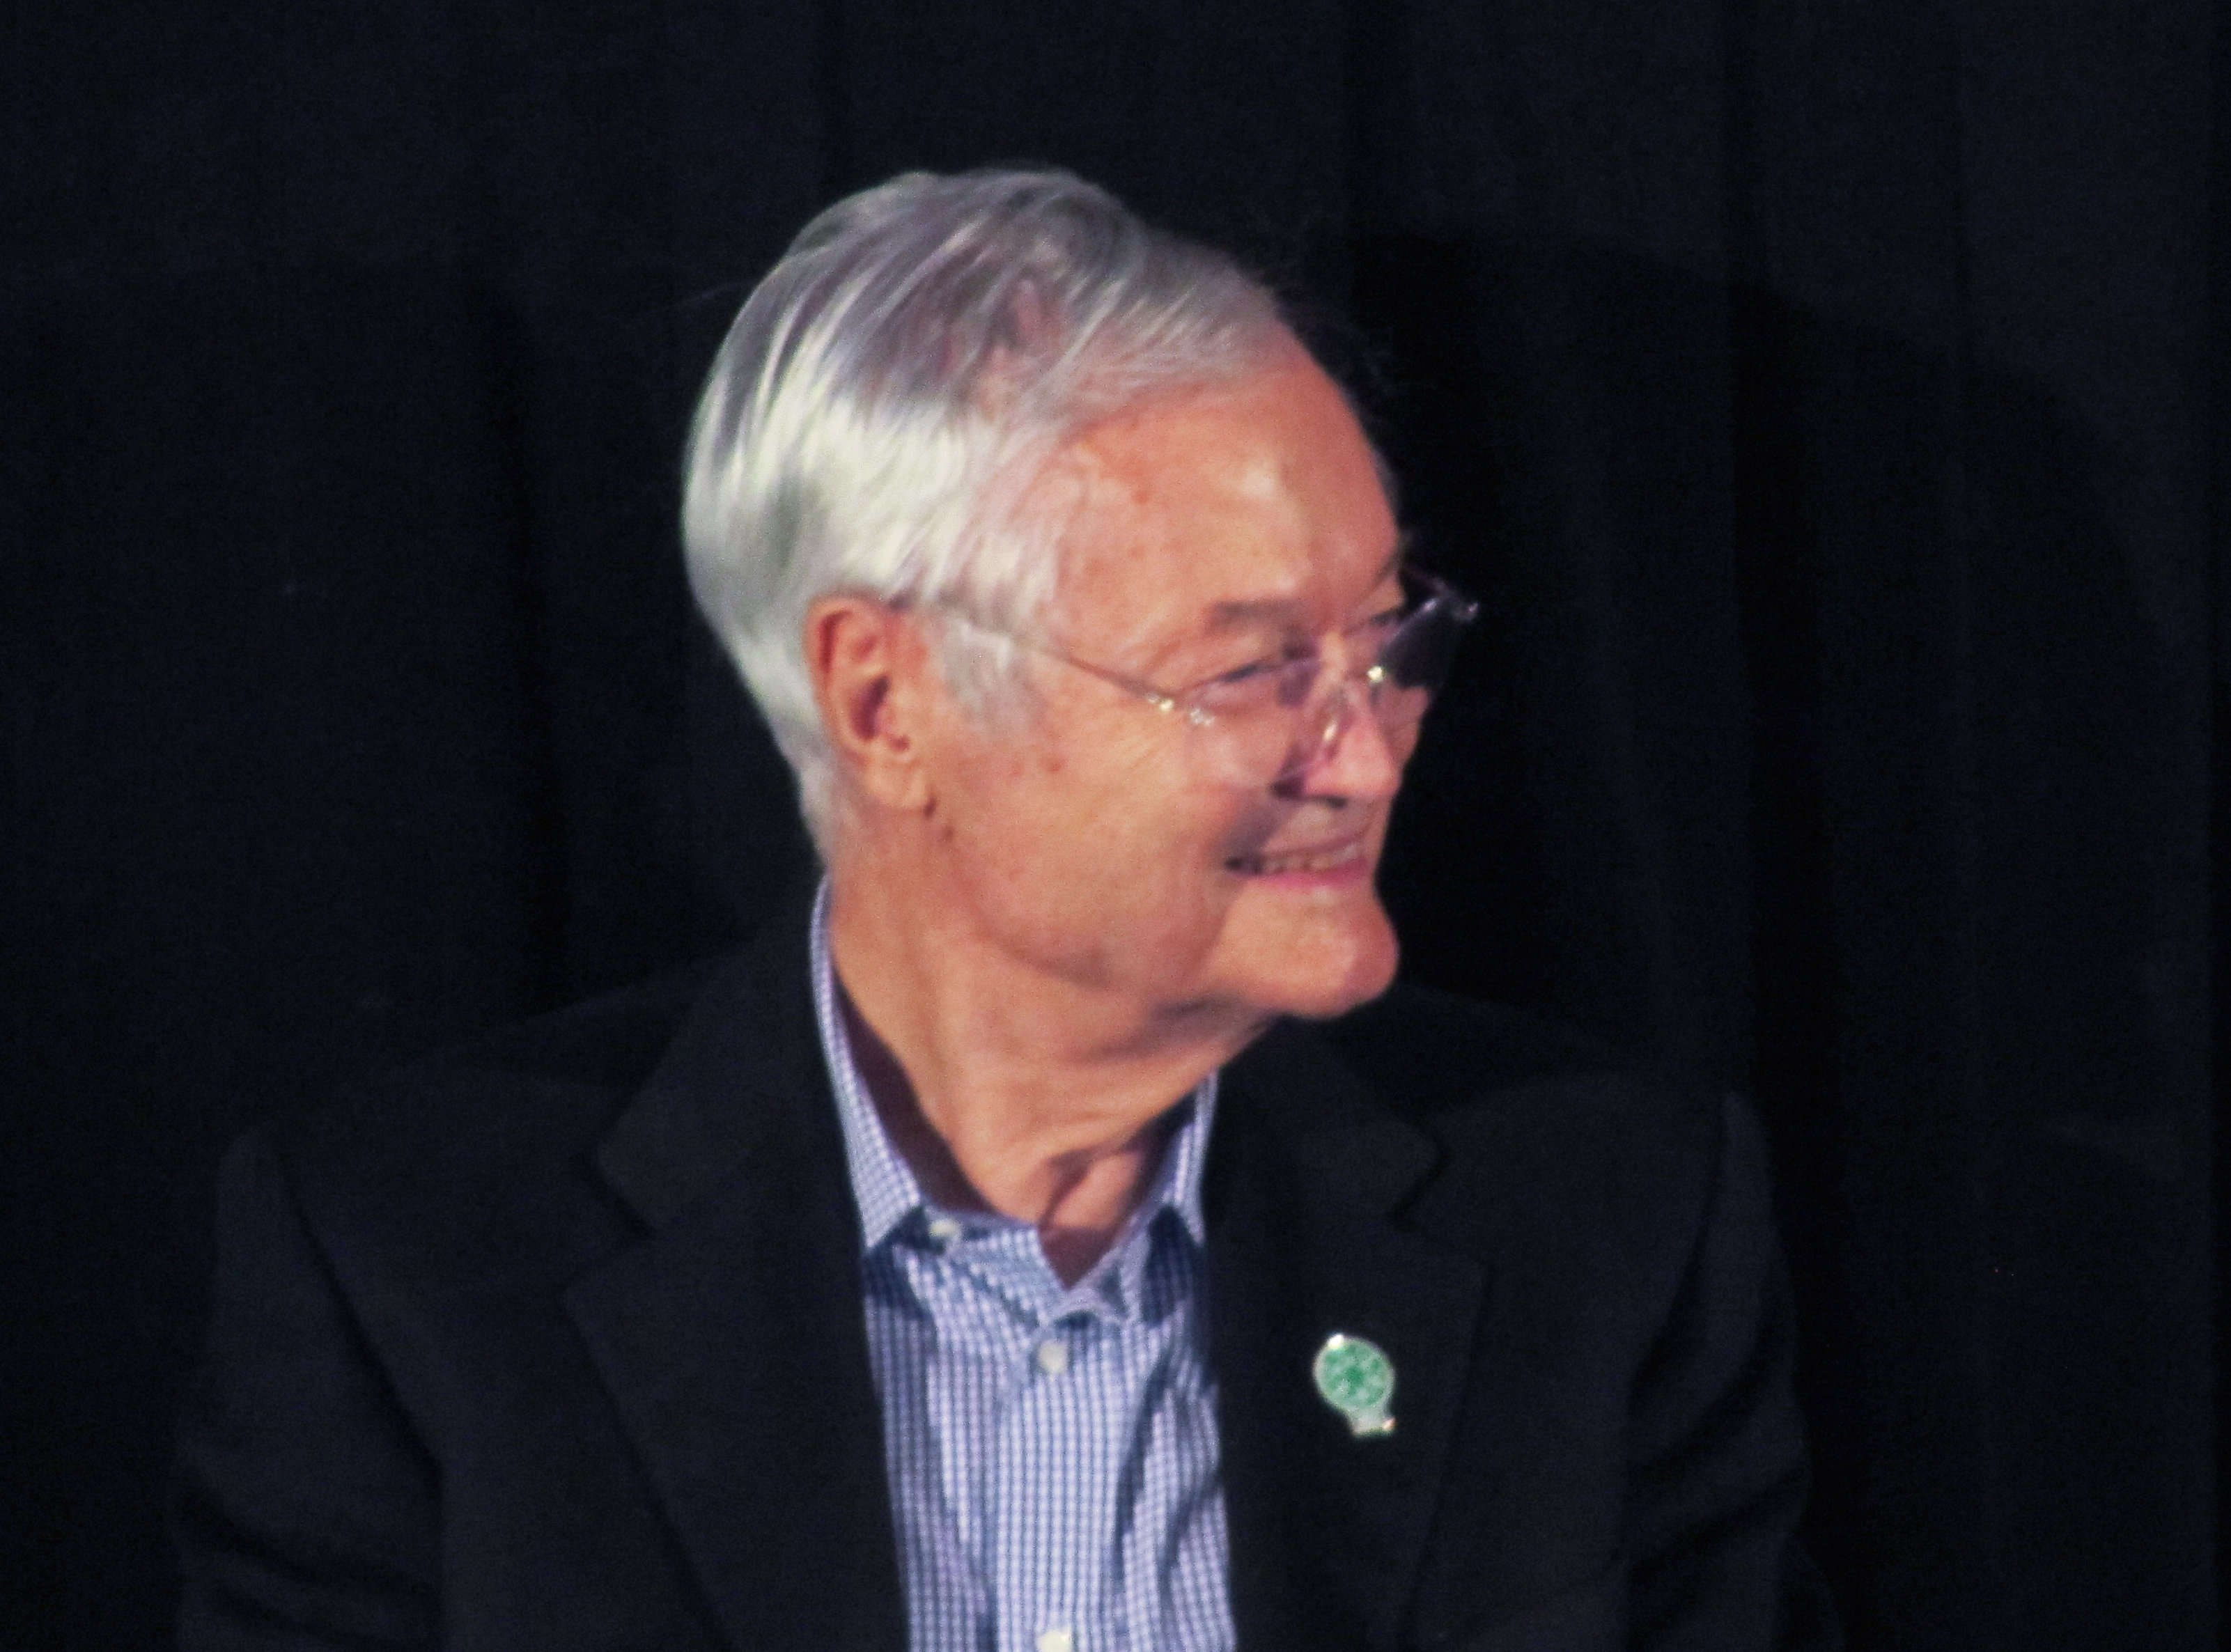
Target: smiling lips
<point>1330,858</point>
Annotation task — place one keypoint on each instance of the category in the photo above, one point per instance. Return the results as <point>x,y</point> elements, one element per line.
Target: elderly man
<point>1047,1238</point>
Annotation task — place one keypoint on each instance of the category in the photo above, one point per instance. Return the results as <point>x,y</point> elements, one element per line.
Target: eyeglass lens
<point>1414,664</point>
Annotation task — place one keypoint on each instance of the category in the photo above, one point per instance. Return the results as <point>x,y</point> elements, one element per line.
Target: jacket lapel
<point>732,1339</point>
<point>1307,1174</point>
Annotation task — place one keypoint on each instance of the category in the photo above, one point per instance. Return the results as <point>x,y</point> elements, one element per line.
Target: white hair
<point>887,394</point>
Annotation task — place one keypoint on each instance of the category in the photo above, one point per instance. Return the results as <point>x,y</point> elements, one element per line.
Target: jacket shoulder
<point>484,1136</point>
<point>1431,1047</point>
<point>1516,1101</point>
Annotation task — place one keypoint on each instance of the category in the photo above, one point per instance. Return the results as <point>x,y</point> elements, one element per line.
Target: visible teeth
<point>1312,861</point>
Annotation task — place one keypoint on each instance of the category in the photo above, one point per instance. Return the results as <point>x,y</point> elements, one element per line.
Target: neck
<point>1006,1087</point>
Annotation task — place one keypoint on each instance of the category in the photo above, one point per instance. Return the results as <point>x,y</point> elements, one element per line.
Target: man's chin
<point>1325,981</point>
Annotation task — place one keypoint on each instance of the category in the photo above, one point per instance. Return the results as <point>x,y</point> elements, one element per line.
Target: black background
<point>1827,398</point>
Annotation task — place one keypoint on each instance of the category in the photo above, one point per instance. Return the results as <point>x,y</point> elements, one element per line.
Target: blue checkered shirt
<point>1052,1451</point>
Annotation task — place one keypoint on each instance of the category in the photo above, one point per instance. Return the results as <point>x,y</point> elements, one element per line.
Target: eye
<point>1368,636</point>
<point>1253,671</point>
<point>1266,680</point>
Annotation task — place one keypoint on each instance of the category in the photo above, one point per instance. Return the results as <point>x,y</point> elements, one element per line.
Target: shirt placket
<point>1053,1474</point>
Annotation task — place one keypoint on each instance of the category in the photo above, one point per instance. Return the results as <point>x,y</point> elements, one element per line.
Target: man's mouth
<point>1330,858</point>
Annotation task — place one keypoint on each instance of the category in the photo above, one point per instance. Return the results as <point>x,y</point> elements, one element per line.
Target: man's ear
<point>872,674</point>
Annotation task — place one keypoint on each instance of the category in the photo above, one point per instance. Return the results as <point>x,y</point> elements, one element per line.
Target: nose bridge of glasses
<point>1343,661</point>
<point>1349,666</point>
<point>1344,701</point>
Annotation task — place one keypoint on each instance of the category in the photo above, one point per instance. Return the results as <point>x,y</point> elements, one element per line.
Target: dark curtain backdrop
<point>1827,398</point>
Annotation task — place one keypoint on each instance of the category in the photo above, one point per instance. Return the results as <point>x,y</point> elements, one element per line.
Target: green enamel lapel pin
<point>1355,1378</point>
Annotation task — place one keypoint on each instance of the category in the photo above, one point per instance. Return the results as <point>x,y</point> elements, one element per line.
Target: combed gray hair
<point>886,395</point>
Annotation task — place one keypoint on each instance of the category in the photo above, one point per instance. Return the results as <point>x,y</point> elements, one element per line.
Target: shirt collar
<point>883,1186</point>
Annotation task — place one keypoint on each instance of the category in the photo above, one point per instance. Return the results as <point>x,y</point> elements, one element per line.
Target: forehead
<point>1251,503</point>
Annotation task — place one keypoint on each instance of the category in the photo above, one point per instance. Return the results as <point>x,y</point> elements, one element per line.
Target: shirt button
<point>944,1230</point>
<point>1053,1359</point>
<point>1057,1640</point>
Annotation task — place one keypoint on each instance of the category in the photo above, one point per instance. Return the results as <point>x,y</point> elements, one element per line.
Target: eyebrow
<point>1236,615</point>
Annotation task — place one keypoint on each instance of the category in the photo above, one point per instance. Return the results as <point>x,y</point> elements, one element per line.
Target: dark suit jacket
<point>559,1344</point>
